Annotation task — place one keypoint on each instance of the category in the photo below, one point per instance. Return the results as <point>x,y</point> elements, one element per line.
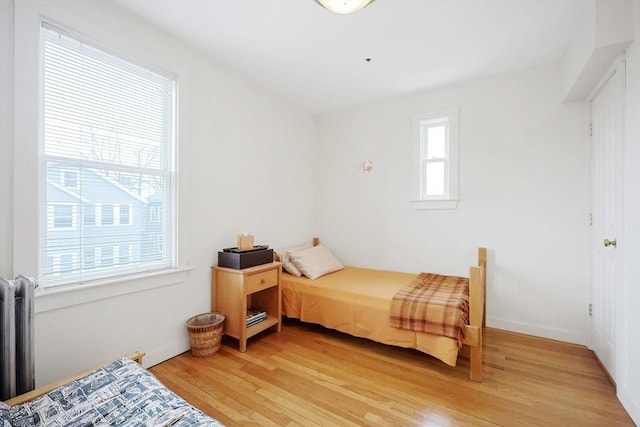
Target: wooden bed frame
<point>30,395</point>
<point>477,312</point>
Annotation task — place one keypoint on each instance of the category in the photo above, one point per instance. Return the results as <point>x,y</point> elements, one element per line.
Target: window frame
<point>27,258</point>
<point>169,209</point>
<point>449,200</point>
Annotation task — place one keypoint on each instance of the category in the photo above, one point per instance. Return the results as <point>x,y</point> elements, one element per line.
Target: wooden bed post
<point>482,262</point>
<point>476,314</point>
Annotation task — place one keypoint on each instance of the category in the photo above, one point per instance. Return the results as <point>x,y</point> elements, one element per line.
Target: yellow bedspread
<point>357,301</point>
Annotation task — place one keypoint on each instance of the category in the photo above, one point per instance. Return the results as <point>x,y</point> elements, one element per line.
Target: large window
<point>108,155</point>
<point>435,160</point>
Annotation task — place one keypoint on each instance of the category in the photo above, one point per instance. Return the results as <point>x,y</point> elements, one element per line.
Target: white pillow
<point>283,255</point>
<point>315,261</point>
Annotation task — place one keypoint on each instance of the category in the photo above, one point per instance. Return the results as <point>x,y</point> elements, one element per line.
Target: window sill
<point>434,204</point>
<point>53,299</point>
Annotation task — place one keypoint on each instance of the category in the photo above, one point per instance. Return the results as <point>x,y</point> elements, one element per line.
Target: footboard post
<point>482,262</point>
<point>476,314</point>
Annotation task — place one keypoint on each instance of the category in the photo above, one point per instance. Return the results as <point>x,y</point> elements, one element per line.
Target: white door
<point>607,132</point>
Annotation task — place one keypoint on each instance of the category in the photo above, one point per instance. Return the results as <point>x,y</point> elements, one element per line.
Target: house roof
<point>108,180</point>
<point>317,59</point>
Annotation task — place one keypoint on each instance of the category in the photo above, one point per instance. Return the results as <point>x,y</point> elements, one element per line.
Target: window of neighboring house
<point>60,216</point>
<point>124,254</point>
<point>66,263</point>
<point>114,120</point>
<point>88,258</point>
<point>124,217</point>
<point>155,214</point>
<point>106,256</point>
<point>69,178</point>
<point>89,214</point>
<point>106,214</point>
<point>435,160</point>
<point>60,264</point>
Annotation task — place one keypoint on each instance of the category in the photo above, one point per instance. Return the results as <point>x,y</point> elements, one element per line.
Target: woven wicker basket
<point>205,333</point>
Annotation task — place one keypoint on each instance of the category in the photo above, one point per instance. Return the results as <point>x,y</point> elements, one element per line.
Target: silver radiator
<point>17,358</point>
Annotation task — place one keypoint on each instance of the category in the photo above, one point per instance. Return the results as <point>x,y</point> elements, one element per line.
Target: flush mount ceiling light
<point>344,6</point>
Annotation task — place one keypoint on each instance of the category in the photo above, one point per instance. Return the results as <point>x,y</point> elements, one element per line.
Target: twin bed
<point>353,300</point>
<point>121,393</point>
<point>357,301</point>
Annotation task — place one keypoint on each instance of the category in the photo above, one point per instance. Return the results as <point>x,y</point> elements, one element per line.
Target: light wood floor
<point>308,375</point>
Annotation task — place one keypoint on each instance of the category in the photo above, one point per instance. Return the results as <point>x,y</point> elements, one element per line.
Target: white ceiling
<point>316,59</point>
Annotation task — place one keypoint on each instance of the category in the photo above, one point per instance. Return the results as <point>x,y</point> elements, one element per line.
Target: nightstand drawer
<point>264,280</point>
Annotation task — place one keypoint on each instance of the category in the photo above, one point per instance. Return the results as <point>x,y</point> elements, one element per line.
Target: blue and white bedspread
<point>120,394</point>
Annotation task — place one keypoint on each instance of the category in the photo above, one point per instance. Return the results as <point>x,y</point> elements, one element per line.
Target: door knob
<point>608,243</point>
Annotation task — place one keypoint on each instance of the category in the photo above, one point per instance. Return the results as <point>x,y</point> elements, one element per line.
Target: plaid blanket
<point>434,304</point>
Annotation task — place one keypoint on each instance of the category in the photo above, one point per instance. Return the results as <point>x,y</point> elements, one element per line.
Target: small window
<point>66,263</point>
<point>124,253</point>
<point>125,215</point>
<point>90,214</point>
<point>435,160</point>
<point>88,258</point>
<point>61,216</point>
<point>60,264</point>
<point>69,178</point>
<point>107,214</point>
<point>155,214</point>
<point>106,256</point>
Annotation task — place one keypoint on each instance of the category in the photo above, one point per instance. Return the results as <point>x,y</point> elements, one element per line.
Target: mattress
<point>122,393</point>
<point>357,301</point>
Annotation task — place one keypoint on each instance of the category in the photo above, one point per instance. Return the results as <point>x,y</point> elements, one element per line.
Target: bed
<point>121,393</point>
<point>357,301</point>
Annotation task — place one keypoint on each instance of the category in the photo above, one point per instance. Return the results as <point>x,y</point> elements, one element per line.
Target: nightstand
<point>234,291</point>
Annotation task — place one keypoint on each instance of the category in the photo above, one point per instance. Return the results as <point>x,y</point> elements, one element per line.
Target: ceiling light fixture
<point>344,6</point>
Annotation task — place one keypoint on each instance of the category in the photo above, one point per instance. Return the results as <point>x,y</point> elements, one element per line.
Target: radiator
<point>17,359</point>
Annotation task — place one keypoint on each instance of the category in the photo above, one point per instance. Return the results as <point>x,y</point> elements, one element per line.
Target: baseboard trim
<point>630,405</point>
<point>161,354</point>
<point>564,335</point>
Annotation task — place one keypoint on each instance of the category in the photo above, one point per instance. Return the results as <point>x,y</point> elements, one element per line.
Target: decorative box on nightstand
<point>234,291</point>
<point>244,259</point>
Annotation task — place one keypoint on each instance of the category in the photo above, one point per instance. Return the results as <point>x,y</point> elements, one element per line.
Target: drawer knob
<point>263,281</point>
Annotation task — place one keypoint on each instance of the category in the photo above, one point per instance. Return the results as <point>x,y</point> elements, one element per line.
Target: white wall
<point>629,381</point>
<point>6,137</point>
<point>523,185</point>
<point>243,165</point>
<point>604,31</point>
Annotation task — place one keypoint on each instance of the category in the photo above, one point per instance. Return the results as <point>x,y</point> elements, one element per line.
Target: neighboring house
<point>109,221</point>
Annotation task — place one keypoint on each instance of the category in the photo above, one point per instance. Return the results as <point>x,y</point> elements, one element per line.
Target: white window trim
<point>66,296</point>
<point>27,257</point>
<point>450,201</point>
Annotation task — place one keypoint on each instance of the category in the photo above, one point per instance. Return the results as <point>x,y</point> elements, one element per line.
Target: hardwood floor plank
<point>310,376</point>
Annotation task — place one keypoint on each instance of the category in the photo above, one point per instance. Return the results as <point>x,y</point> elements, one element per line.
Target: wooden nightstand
<point>233,291</point>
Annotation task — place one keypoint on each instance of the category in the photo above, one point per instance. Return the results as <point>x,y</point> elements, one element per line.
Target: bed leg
<point>476,361</point>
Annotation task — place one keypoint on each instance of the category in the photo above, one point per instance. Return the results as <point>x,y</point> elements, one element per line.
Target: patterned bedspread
<point>120,394</point>
<point>434,304</point>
